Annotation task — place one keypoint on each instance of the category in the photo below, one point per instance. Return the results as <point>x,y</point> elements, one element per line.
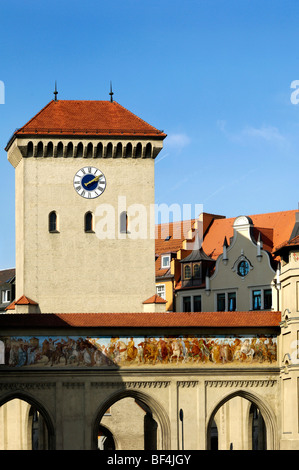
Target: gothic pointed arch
<point>42,409</point>
<point>157,410</point>
<point>266,412</point>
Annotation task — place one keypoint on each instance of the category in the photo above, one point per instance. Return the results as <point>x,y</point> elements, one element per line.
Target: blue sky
<point>214,75</point>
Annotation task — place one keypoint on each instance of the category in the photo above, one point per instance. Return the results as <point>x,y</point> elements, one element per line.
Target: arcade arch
<point>26,424</point>
<point>148,418</point>
<point>251,414</point>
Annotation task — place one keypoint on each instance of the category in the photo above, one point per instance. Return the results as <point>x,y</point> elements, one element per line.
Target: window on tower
<point>30,149</point>
<point>88,222</point>
<point>53,222</point>
<point>123,222</point>
<point>129,150</point>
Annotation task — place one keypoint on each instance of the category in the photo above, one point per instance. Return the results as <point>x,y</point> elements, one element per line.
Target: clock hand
<point>93,180</point>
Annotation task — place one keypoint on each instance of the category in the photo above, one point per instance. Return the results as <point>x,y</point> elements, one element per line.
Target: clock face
<point>89,182</point>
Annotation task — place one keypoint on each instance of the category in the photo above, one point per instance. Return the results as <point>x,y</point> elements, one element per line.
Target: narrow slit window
<point>30,149</point>
<point>138,151</point>
<point>88,222</point>
<point>129,150</point>
<point>53,222</point>
<point>123,222</point>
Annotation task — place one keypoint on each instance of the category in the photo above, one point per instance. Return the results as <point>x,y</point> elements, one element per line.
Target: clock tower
<point>84,178</point>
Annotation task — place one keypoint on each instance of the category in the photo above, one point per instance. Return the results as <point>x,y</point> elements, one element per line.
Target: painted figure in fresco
<point>120,351</point>
<point>140,354</point>
<point>194,351</point>
<point>260,349</point>
<point>176,350</point>
<point>246,350</point>
<point>22,356</point>
<point>271,351</point>
<point>150,351</point>
<point>13,353</point>
<point>131,350</point>
<point>32,351</point>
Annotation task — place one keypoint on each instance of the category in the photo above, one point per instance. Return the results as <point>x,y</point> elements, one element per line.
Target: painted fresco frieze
<point>118,351</point>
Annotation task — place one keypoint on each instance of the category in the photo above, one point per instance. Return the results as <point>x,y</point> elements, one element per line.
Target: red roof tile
<point>11,306</point>
<point>133,320</point>
<point>293,242</point>
<point>169,239</point>
<point>275,228</point>
<point>74,117</point>
<point>23,300</point>
<point>155,299</point>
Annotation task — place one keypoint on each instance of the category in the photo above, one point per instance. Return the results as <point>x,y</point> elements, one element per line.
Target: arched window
<point>50,149</point>
<point>123,222</point>
<point>196,271</point>
<point>187,272</point>
<point>88,222</point>
<point>109,150</point>
<point>60,149</point>
<point>119,150</point>
<point>138,150</point>
<point>129,150</point>
<point>69,152</point>
<point>30,149</point>
<point>79,150</point>
<point>40,149</point>
<point>99,152</point>
<point>148,150</point>
<point>89,150</point>
<point>53,222</point>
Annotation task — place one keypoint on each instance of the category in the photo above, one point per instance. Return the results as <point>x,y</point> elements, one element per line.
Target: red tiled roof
<point>23,300</point>
<point>155,299</point>
<point>275,228</point>
<point>293,242</point>
<point>76,117</point>
<point>169,239</point>
<point>11,306</point>
<point>132,320</point>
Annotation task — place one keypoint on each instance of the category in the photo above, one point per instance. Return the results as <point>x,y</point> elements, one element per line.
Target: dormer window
<point>187,272</point>
<point>195,268</point>
<point>5,297</point>
<point>196,271</point>
<point>165,261</point>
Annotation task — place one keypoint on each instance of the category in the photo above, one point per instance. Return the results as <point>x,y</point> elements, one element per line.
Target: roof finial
<point>55,93</point>
<point>111,93</point>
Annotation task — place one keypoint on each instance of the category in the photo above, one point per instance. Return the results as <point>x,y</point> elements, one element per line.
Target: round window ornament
<point>243,268</point>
